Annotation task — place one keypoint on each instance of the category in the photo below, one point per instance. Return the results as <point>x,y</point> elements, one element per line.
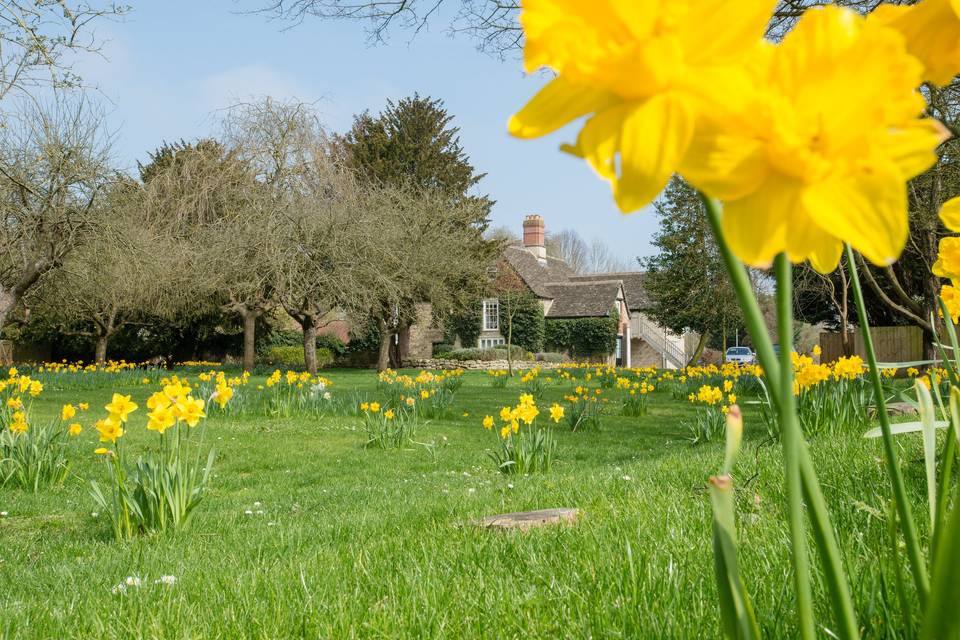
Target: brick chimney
<point>534,236</point>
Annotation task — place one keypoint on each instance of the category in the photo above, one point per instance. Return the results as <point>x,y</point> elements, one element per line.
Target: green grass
<point>355,542</point>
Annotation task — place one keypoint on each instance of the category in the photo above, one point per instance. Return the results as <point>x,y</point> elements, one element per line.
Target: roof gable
<point>536,274</point>
<point>590,299</point>
<point>636,293</point>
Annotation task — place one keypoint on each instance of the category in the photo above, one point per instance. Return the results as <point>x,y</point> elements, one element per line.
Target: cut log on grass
<point>525,520</point>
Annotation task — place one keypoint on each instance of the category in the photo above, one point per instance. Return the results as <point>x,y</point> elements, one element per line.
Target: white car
<point>741,355</point>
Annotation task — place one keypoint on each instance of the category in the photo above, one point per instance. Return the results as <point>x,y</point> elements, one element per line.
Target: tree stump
<point>525,520</point>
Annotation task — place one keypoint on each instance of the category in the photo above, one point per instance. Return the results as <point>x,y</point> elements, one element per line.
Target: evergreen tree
<point>412,143</point>
<point>686,279</point>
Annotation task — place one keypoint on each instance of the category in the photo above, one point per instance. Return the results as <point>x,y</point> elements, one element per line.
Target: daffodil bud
<point>734,437</point>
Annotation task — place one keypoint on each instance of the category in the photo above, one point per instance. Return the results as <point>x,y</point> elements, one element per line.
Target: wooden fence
<point>893,344</point>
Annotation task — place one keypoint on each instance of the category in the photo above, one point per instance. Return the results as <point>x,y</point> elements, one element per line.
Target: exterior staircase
<point>668,345</point>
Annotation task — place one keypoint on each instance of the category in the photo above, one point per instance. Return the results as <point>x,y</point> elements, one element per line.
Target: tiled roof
<point>589,299</point>
<point>537,275</point>
<point>636,293</point>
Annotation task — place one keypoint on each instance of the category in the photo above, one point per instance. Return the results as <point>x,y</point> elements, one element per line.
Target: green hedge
<point>583,337</point>
<point>528,323</point>
<point>291,357</point>
<point>465,325</point>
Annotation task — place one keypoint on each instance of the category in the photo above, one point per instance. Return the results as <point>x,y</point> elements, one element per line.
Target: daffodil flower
<point>822,153</point>
<point>643,71</point>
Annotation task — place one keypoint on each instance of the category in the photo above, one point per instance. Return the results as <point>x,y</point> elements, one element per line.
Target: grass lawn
<point>305,533</point>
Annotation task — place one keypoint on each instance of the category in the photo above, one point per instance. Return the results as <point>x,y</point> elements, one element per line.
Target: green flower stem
<point>743,288</point>
<point>792,436</point>
<point>904,511</point>
<point>823,533</point>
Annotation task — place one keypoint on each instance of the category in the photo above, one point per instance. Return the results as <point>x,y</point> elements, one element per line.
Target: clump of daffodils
<point>524,446</point>
<point>166,484</point>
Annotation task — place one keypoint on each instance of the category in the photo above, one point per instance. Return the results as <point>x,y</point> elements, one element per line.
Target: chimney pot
<point>534,236</point>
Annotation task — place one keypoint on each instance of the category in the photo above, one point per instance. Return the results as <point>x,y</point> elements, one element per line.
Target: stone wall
<point>482,365</point>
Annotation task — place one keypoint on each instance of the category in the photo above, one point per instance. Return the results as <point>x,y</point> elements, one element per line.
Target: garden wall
<point>483,365</point>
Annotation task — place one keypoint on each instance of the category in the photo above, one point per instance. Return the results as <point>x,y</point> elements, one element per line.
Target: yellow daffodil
<point>642,70</point>
<point>948,258</point>
<point>488,422</point>
<point>74,429</point>
<point>84,406</point>
<point>556,413</point>
<point>121,407</point>
<point>222,395</point>
<point>102,451</point>
<point>67,412</point>
<point>110,429</point>
<point>951,298</point>
<point>190,410</point>
<point>505,431</point>
<point>161,419</point>
<point>374,407</point>
<point>388,414</point>
<point>823,153</point>
<point>14,402</point>
<point>950,214</point>
<point>931,29</point>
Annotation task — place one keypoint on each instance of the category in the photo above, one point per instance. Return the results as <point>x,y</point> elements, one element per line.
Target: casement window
<point>489,343</point>
<point>491,315</point>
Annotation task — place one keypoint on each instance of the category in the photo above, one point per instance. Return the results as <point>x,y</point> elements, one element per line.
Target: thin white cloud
<point>222,89</point>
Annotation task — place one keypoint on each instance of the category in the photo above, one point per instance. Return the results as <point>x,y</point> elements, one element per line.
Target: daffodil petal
<point>654,139</point>
<point>599,141</point>
<point>724,166</point>
<point>557,103</point>
<point>756,226</point>
<point>868,209</point>
<point>913,147</point>
<point>950,214</point>
<point>744,24</point>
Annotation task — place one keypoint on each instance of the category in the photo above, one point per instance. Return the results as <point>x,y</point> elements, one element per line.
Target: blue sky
<point>173,63</point>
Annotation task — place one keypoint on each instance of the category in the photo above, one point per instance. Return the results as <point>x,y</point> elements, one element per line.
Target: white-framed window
<point>491,314</point>
<point>489,343</point>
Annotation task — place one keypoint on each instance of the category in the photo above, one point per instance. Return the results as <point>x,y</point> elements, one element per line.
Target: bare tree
<point>41,39</point>
<point>53,166</point>
<point>569,246</point>
<point>119,274</point>
<point>491,23</point>
<point>284,146</point>
<point>431,251</point>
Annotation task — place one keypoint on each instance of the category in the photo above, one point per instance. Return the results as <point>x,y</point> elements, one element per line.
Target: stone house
<point>565,294</point>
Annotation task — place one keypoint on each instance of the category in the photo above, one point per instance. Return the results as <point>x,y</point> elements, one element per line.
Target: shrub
<point>465,325</point>
<point>292,357</point>
<point>593,337</point>
<point>557,334</point>
<point>440,349</point>
<point>551,357</point>
<point>528,322</point>
<point>331,343</point>
<point>488,355</point>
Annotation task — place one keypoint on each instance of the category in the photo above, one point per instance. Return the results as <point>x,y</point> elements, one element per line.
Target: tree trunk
<point>249,340</point>
<point>510,346</point>
<point>701,344</point>
<point>383,354</point>
<point>310,344</point>
<point>100,351</point>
